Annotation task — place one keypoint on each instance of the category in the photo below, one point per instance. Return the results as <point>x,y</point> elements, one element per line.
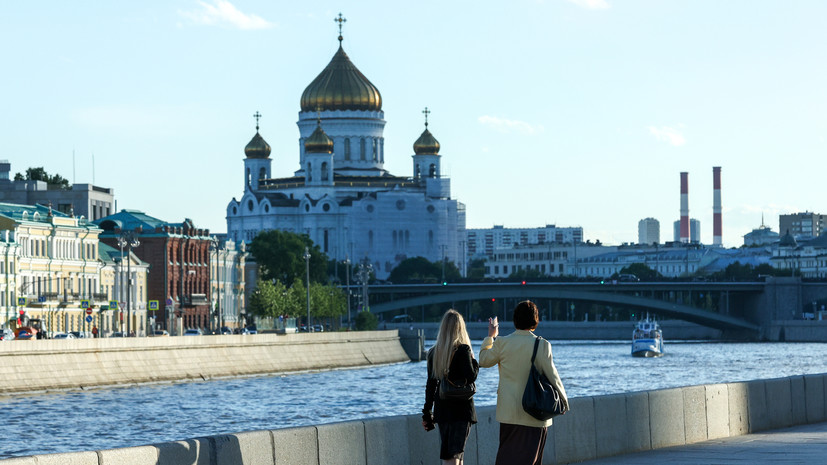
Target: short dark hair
<point>526,315</point>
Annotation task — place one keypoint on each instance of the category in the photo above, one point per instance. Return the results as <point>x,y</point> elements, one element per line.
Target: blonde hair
<point>452,333</point>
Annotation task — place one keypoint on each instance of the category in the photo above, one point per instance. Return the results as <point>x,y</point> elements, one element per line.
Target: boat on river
<point>647,339</point>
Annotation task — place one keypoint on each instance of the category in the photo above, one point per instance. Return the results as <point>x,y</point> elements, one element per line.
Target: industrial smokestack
<point>685,207</point>
<point>717,227</point>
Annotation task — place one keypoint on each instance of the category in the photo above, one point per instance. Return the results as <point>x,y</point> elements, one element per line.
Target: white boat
<point>647,339</point>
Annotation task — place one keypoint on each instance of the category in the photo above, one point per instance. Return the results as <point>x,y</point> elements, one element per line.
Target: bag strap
<point>536,344</point>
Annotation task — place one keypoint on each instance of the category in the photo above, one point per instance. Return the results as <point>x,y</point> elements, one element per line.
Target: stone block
<point>814,397</point>
<point>694,414</point>
<point>610,425</point>
<point>386,440</point>
<point>757,402</point>
<point>31,460</point>
<point>799,400</point>
<point>637,421</point>
<point>247,448</point>
<point>471,446</point>
<point>717,411</point>
<point>72,458</point>
<point>666,418</point>
<point>141,455</point>
<point>334,436</point>
<point>574,432</point>
<point>778,400</point>
<point>423,446</point>
<point>186,452</point>
<point>487,432</point>
<point>296,446</point>
<point>738,400</point>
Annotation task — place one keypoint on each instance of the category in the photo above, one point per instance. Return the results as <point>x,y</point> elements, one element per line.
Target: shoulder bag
<point>540,398</point>
<point>448,390</point>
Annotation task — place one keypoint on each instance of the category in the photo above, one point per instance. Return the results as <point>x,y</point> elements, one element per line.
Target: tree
<point>422,270</point>
<point>40,174</point>
<point>366,321</point>
<point>476,269</point>
<point>263,299</point>
<point>642,271</point>
<point>526,273</point>
<point>280,256</point>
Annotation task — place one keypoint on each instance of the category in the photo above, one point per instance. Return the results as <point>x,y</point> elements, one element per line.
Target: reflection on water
<point>128,416</point>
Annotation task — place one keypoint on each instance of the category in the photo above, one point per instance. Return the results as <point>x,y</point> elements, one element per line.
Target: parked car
<point>64,336</point>
<point>160,332</point>
<point>193,332</point>
<point>78,334</point>
<point>226,330</point>
<point>318,328</point>
<point>6,334</point>
<point>249,331</point>
<point>118,334</point>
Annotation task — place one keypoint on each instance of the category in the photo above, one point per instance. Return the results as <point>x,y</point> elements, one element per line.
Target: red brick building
<point>179,258</point>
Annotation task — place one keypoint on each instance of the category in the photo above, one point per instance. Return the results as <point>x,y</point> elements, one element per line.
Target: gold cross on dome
<point>426,112</point>
<point>340,20</point>
<point>257,116</point>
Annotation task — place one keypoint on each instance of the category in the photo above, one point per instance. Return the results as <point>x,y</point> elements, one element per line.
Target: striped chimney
<point>717,227</point>
<point>684,207</point>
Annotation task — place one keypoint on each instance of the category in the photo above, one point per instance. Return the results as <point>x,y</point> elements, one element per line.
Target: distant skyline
<point>566,112</point>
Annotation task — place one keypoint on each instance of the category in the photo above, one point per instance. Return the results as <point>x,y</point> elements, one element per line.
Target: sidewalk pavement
<point>796,445</point>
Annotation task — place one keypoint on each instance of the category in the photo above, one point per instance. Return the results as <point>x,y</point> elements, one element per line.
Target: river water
<point>128,416</point>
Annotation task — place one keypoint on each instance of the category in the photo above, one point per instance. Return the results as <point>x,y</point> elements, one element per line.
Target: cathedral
<point>341,196</point>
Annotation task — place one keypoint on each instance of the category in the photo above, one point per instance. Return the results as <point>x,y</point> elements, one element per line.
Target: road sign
<point>41,299</point>
<point>104,307</point>
<point>21,301</point>
<point>88,311</point>
<point>88,319</point>
<point>169,302</point>
<point>84,304</point>
<point>113,304</point>
<point>153,305</point>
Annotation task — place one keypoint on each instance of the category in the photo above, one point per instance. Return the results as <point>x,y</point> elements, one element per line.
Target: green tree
<point>263,300</point>
<point>526,273</point>
<point>476,269</point>
<point>40,174</point>
<point>642,271</point>
<point>280,256</point>
<point>326,301</point>
<point>422,270</point>
<point>366,321</point>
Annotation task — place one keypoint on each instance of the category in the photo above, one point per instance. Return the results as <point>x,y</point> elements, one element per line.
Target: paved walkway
<point>799,444</point>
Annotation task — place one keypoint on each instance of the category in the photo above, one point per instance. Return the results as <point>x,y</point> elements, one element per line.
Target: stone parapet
<point>41,365</point>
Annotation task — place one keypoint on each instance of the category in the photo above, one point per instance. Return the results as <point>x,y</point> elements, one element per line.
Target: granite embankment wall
<point>598,426</point>
<point>28,366</point>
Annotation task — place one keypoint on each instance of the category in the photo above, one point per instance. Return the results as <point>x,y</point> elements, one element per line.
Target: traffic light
<point>444,283</point>
<point>601,281</point>
<point>523,283</point>
<point>493,299</point>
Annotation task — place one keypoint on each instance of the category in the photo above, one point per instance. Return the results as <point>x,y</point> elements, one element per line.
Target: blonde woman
<point>450,358</point>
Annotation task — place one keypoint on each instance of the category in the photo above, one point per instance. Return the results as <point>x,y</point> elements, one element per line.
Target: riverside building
<point>341,195</point>
<point>484,241</point>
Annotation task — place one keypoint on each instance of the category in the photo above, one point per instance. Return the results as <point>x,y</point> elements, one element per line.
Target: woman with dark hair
<point>450,358</point>
<point>522,437</point>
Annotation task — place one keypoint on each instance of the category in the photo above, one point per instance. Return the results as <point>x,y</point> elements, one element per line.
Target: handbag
<point>540,398</point>
<point>448,390</point>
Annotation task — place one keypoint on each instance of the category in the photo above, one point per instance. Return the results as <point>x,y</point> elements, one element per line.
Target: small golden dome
<point>318,142</point>
<point>258,147</point>
<point>426,144</point>
<point>341,86</point>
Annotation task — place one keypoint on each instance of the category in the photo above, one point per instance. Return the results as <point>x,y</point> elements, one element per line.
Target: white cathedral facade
<point>341,196</point>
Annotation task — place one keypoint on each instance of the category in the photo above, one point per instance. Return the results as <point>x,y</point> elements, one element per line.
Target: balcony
<point>100,297</point>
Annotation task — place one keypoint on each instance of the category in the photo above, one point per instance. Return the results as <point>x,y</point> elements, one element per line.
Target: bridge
<point>724,306</point>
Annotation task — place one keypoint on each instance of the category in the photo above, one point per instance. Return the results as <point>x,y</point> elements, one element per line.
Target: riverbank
<point>596,426</point>
<point>44,365</point>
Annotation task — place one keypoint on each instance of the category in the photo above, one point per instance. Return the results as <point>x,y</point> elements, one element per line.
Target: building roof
<point>341,86</point>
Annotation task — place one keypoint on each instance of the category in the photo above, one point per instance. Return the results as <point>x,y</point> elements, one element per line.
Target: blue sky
<point>567,112</point>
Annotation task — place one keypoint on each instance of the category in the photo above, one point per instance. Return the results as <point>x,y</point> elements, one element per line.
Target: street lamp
<point>347,286</point>
<point>365,268</point>
<point>129,240</point>
<point>214,245</point>
<point>306,257</point>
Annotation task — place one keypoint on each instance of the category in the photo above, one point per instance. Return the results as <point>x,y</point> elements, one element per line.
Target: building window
<point>362,149</point>
<point>262,173</point>
<point>309,173</point>
<point>347,148</point>
<point>370,239</point>
<point>375,150</point>
<point>324,171</point>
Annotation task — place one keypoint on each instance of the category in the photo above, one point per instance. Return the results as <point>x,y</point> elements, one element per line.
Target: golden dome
<point>340,86</point>
<point>426,144</point>
<point>258,147</point>
<point>318,142</point>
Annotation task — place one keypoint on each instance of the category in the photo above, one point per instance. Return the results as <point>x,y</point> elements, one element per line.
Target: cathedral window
<point>382,150</point>
<point>375,150</point>
<point>394,239</point>
<point>262,173</point>
<point>309,173</point>
<point>347,148</point>
<point>370,239</point>
<point>431,238</point>
<point>417,172</point>
<point>432,171</point>
<point>248,176</point>
<point>250,205</point>
<point>324,171</point>
<point>362,149</point>
<point>407,239</point>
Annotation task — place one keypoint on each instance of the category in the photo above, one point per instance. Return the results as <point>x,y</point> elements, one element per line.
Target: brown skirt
<point>521,445</point>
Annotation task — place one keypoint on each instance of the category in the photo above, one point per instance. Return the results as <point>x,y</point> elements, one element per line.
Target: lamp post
<point>365,267</point>
<point>347,287</point>
<point>306,257</point>
<point>129,240</point>
<point>214,245</point>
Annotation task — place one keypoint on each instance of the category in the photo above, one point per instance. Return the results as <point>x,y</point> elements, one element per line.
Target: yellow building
<point>53,268</point>
<point>8,260</point>
<point>227,287</point>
